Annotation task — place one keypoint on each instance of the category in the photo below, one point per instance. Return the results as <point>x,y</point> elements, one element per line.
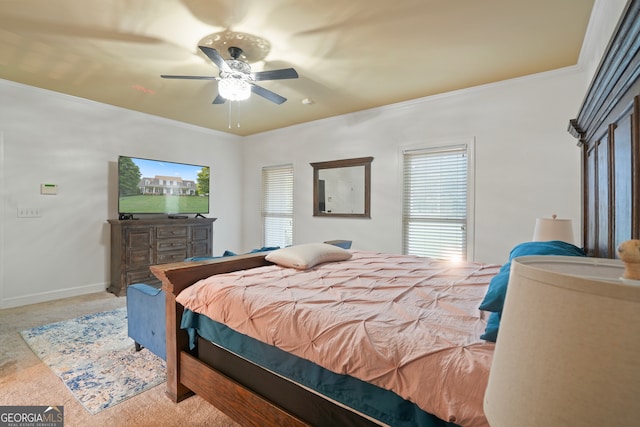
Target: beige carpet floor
<point>26,381</point>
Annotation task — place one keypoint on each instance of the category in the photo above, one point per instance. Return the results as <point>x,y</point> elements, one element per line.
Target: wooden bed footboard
<point>189,374</point>
<point>176,277</point>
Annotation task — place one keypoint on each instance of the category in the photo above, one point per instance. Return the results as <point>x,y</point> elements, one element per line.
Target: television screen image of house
<point>152,186</point>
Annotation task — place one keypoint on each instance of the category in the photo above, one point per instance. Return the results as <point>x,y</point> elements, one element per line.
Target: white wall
<point>47,137</point>
<point>527,164</point>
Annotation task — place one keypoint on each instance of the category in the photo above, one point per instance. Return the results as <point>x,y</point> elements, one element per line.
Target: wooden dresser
<point>138,244</point>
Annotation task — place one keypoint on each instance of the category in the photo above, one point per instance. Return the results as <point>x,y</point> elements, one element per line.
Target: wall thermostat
<point>48,189</point>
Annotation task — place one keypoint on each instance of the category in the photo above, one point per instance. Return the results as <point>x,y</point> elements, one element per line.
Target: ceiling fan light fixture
<point>254,48</point>
<point>234,89</point>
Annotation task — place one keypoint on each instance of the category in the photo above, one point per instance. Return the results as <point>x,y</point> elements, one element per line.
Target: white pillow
<point>307,255</point>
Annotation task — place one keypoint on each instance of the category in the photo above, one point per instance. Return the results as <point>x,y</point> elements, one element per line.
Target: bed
<point>608,129</point>
<point>358,337</point>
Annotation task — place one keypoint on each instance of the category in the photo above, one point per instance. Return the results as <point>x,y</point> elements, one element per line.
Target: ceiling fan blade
<point>285,73</point>
<point>216,58</point>
<point>266,93</point>
<point>219,100</point>
<point>166,76</point>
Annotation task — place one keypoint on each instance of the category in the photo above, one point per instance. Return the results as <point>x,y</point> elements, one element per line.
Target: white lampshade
<point>568,349</point>
<point>553,229</point>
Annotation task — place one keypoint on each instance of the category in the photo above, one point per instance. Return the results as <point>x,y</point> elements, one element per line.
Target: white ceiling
<point>351,55</point>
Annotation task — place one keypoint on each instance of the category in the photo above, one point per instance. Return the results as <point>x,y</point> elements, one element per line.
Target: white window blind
<point>435,202</point>
<point>277,205</point>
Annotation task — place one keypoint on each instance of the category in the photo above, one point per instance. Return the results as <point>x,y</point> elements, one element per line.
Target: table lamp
<point>568,350</point>
<point>553,229</point>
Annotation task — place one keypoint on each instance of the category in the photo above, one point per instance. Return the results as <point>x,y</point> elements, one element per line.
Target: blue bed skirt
<point>373,401</point>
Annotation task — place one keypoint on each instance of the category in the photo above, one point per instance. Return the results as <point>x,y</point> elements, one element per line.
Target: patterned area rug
<point>96,359</point>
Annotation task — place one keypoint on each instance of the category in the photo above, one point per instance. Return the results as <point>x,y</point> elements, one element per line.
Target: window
<point>435,202</point>
<point>277,206</point>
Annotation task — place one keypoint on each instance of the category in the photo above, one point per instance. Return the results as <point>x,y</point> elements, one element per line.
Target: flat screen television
<point>147,186</point>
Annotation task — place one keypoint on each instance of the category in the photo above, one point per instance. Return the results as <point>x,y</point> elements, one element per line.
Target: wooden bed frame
<point>608,129</point>
<point>204,372</point>
<point>186,374</point>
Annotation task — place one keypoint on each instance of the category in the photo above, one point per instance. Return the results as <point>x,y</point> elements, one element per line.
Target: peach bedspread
<point>404,323</point>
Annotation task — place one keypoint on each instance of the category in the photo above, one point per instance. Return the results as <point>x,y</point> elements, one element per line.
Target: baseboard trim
<point>36,298</point>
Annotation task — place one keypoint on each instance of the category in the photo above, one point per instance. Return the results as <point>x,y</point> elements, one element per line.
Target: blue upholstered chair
<point>146,311</point>
<point>146,318</point>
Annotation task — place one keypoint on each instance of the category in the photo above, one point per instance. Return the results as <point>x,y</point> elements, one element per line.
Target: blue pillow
<point>230,253</point>
<point>206,258</point>
<point>201,258</point>
<point>264,249</point>
<point>494,298</point>
<point>493,324</point>
<point>253,251</point>
<point>552,247</point>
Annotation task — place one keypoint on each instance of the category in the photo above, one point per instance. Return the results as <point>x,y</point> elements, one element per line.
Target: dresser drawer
<point>174,256</point>
<point>174,244</point>
<point>168,232</point>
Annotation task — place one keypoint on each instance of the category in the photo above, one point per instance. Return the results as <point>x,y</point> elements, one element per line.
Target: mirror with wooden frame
<point>342,188</point>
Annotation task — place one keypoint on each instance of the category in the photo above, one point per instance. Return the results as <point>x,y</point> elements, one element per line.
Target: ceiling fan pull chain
<point>231,113</point>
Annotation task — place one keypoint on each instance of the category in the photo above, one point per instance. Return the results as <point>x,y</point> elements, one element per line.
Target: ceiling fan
<point>236,81</point>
